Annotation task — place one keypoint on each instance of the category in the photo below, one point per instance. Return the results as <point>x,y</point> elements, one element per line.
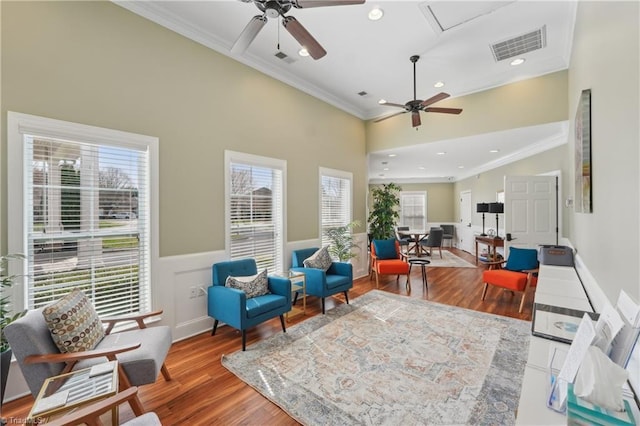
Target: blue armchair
<point>338,278</point>
<point>231,305</point>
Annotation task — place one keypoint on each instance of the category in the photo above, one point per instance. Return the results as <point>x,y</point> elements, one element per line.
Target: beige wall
<point>484,186</point>
<point>525,103</point>
<point>605,59</point>
<point>98,64</point>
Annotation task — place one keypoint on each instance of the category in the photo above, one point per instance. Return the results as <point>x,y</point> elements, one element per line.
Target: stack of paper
<point>624,342</point>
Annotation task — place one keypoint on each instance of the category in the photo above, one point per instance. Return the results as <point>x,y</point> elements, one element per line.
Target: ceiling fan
<point>276,8</point>
<point>417,105</point>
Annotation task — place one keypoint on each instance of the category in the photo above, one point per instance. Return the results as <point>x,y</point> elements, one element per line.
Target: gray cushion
<point>143,364</point>
<point>30,336</point>
<point>252,285</point>
<point>147,419</point>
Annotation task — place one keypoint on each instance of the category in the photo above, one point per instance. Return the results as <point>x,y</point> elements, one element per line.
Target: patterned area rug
<point>449,260</point>
<point>388,360</point>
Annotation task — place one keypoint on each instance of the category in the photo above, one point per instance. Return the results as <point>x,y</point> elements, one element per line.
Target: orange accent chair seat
<point>382,262</point>
<point>519,273</point>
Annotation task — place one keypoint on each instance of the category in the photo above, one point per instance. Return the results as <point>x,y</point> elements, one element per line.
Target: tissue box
<point>581,412</point>
<point>556,255</point>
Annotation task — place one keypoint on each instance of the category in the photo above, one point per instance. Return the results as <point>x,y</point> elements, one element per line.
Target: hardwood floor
<point>203,392</point>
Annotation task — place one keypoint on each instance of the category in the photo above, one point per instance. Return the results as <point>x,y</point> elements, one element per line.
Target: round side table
<point>423,265</point>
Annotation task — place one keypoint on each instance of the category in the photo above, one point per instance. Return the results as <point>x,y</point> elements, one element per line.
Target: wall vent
<point>284,57</point>
<point>518,46</point>
<point>363,93</point>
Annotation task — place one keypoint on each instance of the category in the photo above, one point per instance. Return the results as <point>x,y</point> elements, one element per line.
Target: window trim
<point>19,124</point>
<point>340,174</point>
<point>259,161</point>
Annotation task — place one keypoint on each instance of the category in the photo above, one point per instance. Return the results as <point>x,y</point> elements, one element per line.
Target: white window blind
<point>256,212</point>
<point>413,209</point>
<point>335,200</point>
<point>87,223</point>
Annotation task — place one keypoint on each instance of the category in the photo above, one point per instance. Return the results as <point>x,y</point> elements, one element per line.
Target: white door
<point>531,211</point>
<point>464,230</point>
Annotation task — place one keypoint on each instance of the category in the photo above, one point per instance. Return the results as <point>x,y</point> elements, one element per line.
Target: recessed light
<point>439,84</point>
<point>493,151</point>
<point>441,153</point>
<point>385,169</point>
<point>382,101</point>
<point>461,167</point>
<point>303,52</point>
<point>376,13</point>
<point>518,61</point>
<point>421,168</point>
<point>393,155</point>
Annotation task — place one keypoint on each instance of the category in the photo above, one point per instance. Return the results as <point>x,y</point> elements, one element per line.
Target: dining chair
<point>406,241</point>
<point>448,234</point>
<point>433,240</point>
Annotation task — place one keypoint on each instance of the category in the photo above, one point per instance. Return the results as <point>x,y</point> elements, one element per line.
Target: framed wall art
<point>583,196</point>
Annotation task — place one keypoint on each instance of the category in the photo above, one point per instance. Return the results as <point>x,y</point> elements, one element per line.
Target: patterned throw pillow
<point>319,260</point>
<point>252,285</point>
<point>73,322</point>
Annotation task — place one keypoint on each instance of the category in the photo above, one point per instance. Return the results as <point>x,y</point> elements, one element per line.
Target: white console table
<point>557,286</point>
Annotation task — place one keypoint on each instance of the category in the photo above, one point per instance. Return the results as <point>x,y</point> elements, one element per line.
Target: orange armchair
<point>519,273</point>
<point>387,259</point>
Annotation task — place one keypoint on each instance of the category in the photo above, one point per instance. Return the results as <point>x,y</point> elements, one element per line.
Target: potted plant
<point>384,214</point>
<point>342,241</point>
<point>6,318</point>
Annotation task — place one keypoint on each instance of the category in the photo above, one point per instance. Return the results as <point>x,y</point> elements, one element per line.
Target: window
<point>255,209</point>
<point>335,200</point>
<point>83,217</point>
<point>413,207</point>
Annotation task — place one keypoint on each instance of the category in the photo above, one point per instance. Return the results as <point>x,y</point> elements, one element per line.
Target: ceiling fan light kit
<point>278,8</point>
<point>416,105</point>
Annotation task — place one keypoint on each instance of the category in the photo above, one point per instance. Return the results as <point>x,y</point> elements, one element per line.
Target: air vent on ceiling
<point>363,93</point>
<point>520,45</point>
<point>284,57</point>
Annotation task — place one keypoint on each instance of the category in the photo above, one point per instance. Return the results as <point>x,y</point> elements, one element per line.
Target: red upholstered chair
<point>519,273</point>
<point>387,259</point>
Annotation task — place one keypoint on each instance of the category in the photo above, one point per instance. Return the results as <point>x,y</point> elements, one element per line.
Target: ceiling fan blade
<point>249,33</point>
<point>432,100</point>
<point>444,110</point>
<point>415,118</point>
<point>303,37</point>
<point>305,4</point>
<point>389,116</point>
<point>393,105</point>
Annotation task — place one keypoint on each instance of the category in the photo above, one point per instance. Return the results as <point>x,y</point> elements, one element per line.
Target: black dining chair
<point>406,241</point>
<point>434,239</point>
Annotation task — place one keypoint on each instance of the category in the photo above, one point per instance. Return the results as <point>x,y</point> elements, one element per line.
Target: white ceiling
<point>373,56</point>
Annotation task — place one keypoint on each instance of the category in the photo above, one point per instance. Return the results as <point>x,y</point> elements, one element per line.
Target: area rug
<point>449,260</point>
<point>388,359</point>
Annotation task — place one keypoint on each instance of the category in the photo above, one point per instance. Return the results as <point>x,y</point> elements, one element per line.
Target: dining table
<point>417,235</point>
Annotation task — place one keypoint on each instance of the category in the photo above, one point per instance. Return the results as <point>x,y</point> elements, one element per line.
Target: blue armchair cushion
<point>260,305</point>
<point>521,259</point>
<point>385,249</point>
<point>319,260</point>
<point>252,285</point>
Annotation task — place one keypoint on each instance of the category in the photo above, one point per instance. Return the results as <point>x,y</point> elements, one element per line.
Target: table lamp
<point>482,208</point>
<point>496,208</point>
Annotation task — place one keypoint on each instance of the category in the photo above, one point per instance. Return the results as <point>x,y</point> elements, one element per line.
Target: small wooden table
<point>491,242</point>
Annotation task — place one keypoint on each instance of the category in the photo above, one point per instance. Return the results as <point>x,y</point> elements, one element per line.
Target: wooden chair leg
<point>377,282</point>
<point>484,291</point>
<point>165,372</point>
<point>524,293</point>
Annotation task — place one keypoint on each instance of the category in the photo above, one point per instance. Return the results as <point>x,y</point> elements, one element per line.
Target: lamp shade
<point>482,207</point>
<point>496,208</point>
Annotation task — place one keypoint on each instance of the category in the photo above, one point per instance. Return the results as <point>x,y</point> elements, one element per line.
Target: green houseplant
<point>384,213</point>
<point>6,317</point>
<point>342,241</point>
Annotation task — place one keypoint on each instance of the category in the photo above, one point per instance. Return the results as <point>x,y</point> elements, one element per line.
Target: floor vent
<point>520,45</point>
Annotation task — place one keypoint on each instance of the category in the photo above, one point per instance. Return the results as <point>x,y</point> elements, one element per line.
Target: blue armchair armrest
<point>226,304</point>
<point>280,286</point>
<point>316,280</point>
